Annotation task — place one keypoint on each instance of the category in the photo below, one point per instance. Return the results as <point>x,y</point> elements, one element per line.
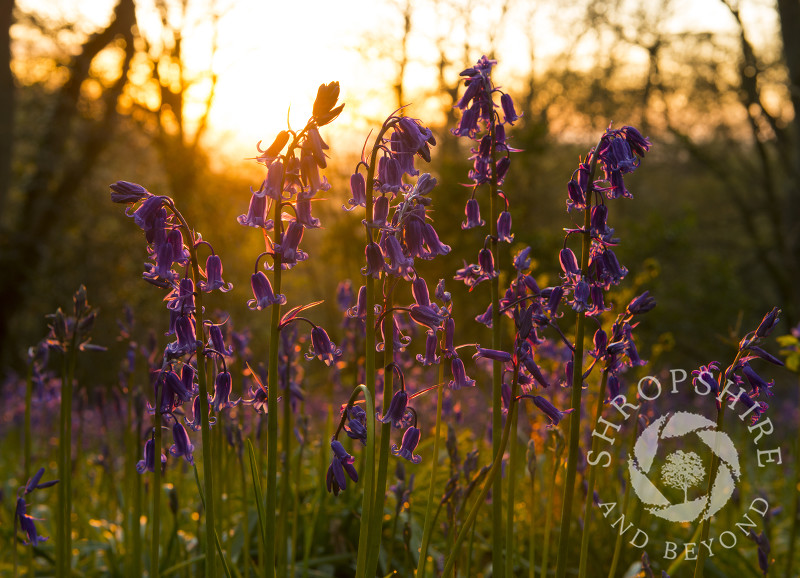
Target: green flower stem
<point>136,527</point>
<point>512,482</point>
<point>296,503</point>
<point>428,524</point>
<point>551,490</point>
<point>202,379</point>
<point>369,368</point>
<point>488,484</point>
<point>470,549</point>
<point>245,517</point>
<point>497,369</point>
<point>286,435</point>
<point>272,404</point>
<point>532,527</point>
<point>712,476</point>
<point>65,457</point>
<point>27,458</point>
<point>369,474</point>
<point>587,509</point>
<point>577,389</point>
<point>376,531</point>
<point>155,526</point>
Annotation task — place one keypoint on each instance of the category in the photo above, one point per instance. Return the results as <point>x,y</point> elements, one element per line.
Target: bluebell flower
<point>262,291</point>
<point>182,446</point>
<point>174,387</point>
<point>569,263</point>
<point>396,414</point>
<point>186,342</point>
<point>148,212</point>
<point>216,341</point>
<point>165,257</point>
<point>550,411</point>
<point>704,377</point>
<point>322,347</point>
<point>376,264</point>
<point>419,290</point>
<point>526,358</point>
<point>214,276</point>
<point>344,295</point>
<point>341,463</point>
<point>127,193</point>
<point>389,175</point>
<point>399,263</point>
<point>430,357</point>
<point>765,355</point>
<point>25,521</point>
<point>380,212</point>
<point>768,323</point>
<point>356,426</point>
<point>504,233</point>
<point>493,354</point>
<point>641,304</point>
<point>553,296</point>
<point>358,191</point>
<point>468,124</point>
<point>272,152</point>
<point>182,300</point>
<point>427,315</point>
<point>359,310</point>
<point>303,210</point>
<point>222,392</point>
<point>435,245</point>
<point>473,214</point>
<point>460,378</point>
<point>576,196</point>
<point>757,384</point>
<point>522,261</point>
<point>196,421</point>
<point>408,445</point>
<point>288,248</point>
<point>441,294</point>
<point>486,263</point>
<point>26,524</point>
<point>508,108</point>
<point>256,214</point>
<point>149,461</point>
<point>449,350</point>
<point>271,187</point>
<point>325,109</point>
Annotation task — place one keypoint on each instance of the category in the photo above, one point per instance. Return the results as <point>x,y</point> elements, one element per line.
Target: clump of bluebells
<point>537,312</point>
<point>739,387</point>
<point>740,382</point>
<point>171,268</point>
<point>174,266</point>
<point>282,209</point>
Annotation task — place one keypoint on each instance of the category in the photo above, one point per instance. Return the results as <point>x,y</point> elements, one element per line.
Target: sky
<point>273,55</point>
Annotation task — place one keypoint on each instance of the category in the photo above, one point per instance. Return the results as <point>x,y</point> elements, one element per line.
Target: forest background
<point>175,95</point>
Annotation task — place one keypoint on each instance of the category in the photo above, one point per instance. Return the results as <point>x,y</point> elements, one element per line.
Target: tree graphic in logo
<point>683,470</point>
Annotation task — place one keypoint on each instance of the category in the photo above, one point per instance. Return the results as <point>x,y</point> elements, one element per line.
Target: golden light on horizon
<point>269,58</point>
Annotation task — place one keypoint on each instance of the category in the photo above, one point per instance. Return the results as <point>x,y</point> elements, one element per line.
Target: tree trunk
<point>67,151</point>
<point>6,100</point>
